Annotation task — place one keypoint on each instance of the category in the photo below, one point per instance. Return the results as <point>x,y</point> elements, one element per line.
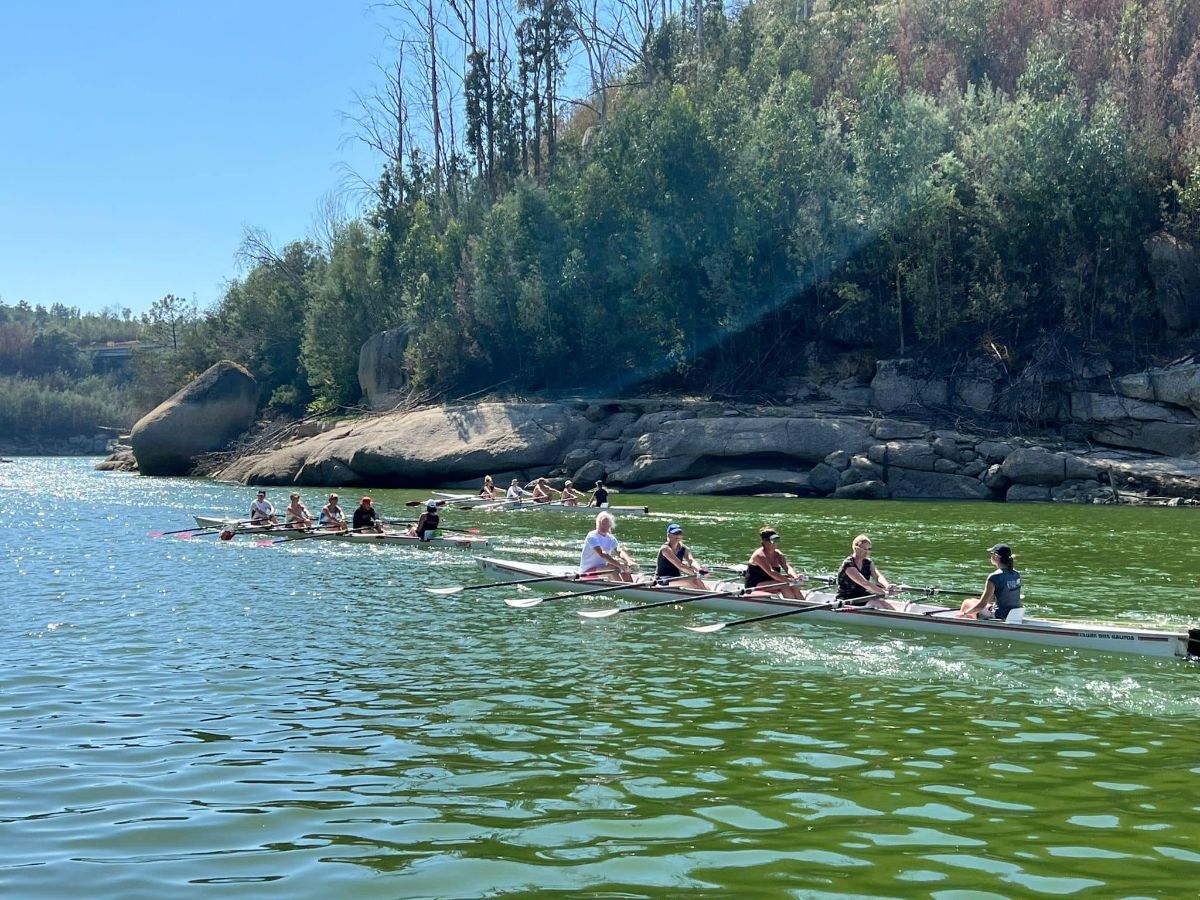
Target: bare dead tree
<point>329,218</point>
<point>257,249</point>
<point>380,122</point>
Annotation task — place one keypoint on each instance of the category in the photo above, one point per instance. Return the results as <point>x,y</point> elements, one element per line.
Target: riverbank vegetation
<point>730,184</point>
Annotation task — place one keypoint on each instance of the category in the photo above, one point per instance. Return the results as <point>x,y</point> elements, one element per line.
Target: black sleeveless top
<point>665,568</point>
<point>850,590</point>
<point>756,576</point>
<point>601,496</point>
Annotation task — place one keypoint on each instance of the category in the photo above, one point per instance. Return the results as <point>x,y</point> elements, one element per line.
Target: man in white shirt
<point>516,492</point>
<point>601,550</point>
<point>262,511</point>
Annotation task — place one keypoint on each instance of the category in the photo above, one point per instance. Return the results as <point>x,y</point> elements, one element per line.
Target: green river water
<point>197,718</point>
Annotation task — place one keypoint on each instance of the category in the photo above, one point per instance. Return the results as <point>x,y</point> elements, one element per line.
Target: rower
<point>675,559</point>
<point>488,491</point>
<point>542,492</point>
<point>366,517</point>
<point>428,523</point>
<point>767,566</point>
<point>262,511</point>
<point>859,582</point>
<point>570,496</point>
<point>599,496</point>
<point>601,550</point>
<point>1001,592</point>
<point>516,492</point>
<point>298,515</point>
<point>332,515</point>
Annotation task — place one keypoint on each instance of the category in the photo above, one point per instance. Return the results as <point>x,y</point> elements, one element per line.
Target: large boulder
<point>862,490</point>
<point>436,444</point>
<point>910,484</point>
<point>1164,438</point>
<point>1175,385</point>
<point>1039,466</point>
<point>697,448</point>
<point>202,417</point>
<point>749,481</point>
<point>1175,267</point>
<point>899,383</point>
<point>1090,407</point>
<point>381,373</point>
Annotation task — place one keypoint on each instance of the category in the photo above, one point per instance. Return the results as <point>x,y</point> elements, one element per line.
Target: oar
<point>676,601</point>
<point>240,528</point>
<point>458,588</point>
<point>530,602</point>
<point>316,533</point>
<point>930,591</point>
<point>708,629</point>
<point>197,528</point>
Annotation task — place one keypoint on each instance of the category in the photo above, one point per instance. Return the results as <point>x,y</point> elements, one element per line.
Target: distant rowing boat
<point>381,539</point>
<point>920,617</point>
<point>468,502</point>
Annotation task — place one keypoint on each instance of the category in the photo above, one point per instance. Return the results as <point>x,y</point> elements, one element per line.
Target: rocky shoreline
<point>656,446</point>
<point>1129,439</point>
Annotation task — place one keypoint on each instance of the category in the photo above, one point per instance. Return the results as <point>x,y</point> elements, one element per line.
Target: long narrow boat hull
<point>460,501</point>
<point>384,539</point>
<point>920,617</point>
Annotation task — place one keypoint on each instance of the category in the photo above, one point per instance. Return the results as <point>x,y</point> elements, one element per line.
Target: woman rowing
<point>675,559</point>
<point>332,515</point>
<point>769,567</point>
<point>859,581</point>
<point>428,523</point>
<point>1001,592</point>
<point>488,491</point>
<point>570,496</point>
<point>297,514</point>
<point>602,551</point>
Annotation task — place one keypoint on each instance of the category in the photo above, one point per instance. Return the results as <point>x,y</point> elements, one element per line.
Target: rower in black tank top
<point>665,568</point>
<point>850,590</point>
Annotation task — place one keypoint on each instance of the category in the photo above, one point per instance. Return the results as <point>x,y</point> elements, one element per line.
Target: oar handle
<point>933,590</point>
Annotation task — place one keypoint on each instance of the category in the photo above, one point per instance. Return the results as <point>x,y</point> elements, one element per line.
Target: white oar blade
<point>444,591</point>
<point>523,602</point>
<point>706,629</point>
<point>599,613</point>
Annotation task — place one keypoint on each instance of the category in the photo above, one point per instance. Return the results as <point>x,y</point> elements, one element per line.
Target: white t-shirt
<point>516,493</point>
<point>261,509</point>
<point>590,559</point>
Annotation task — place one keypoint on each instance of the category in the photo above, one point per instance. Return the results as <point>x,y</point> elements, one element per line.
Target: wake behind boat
<point>820,607</point>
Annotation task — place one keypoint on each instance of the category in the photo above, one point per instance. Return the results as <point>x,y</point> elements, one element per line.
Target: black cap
<point>1002,550</point>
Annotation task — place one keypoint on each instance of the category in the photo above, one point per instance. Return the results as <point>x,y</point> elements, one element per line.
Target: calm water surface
<point>192,717</point>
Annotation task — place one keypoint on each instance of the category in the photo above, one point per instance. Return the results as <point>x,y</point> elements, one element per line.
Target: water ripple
<point>307,720</point>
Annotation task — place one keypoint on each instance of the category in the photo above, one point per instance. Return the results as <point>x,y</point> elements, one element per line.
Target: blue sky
<point>140,138</point>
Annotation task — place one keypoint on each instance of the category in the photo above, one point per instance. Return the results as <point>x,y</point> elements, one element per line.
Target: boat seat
<point>1015,616</point>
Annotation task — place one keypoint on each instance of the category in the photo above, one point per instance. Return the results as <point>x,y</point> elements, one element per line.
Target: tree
<point>168,319</point>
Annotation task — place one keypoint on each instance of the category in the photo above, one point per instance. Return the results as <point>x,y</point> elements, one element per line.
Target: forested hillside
<point>905,177</point>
